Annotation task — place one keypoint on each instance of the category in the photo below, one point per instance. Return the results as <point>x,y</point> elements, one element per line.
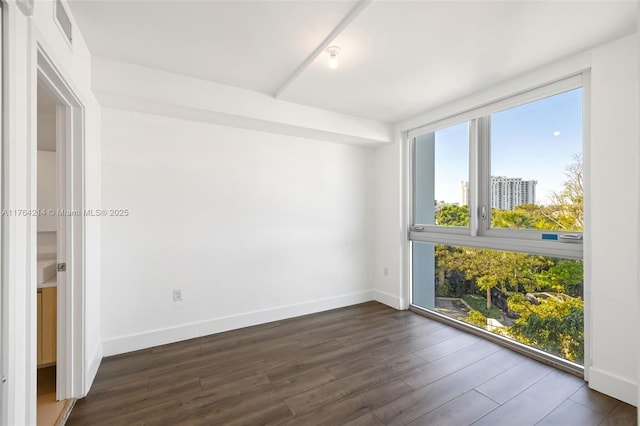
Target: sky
<point>535,141</point>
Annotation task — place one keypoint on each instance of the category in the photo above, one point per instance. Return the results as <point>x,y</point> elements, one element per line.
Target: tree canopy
<point>553,323</point>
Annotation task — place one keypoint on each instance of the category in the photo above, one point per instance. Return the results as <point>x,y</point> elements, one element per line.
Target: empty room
<point>363,212</point>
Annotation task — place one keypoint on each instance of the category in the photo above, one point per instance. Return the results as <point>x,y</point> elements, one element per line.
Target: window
<point>438,187</point>
<point>497,219</point>
<point>536,164</point>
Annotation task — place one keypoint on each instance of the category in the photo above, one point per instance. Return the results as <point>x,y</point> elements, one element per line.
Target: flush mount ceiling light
<point>333,52</point>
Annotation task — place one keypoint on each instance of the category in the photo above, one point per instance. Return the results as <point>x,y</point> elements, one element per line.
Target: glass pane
<point>535,300</point>
<point>441,173</point>
<point>536,165</point>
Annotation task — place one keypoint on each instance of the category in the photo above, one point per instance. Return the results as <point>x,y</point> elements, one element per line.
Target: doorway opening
<point>49,409</point>
<point>58,177</point>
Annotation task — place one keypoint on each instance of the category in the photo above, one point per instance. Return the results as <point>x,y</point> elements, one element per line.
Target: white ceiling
<point>398,58</point>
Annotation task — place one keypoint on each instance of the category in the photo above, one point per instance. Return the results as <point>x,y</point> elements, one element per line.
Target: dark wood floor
<point>362,365</point>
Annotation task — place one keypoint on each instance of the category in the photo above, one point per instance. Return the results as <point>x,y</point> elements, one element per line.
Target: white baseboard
<point>94,364</point>
<point>612,385</point>
<point>133,342</point>
<point>387,299</point>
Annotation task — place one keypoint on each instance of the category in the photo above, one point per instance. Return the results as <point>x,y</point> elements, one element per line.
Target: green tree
<point>563,277</point>
<point>452,215</point>
<point>518,219</point>
<point>476,318</point>
<point>555,325</point>
<point>567,208</point>
<point>506,270</point>
<point>488,268</point>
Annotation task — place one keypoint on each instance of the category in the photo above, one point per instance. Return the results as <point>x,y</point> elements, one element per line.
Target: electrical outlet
<point>177,295</point>
<point>385,271</point>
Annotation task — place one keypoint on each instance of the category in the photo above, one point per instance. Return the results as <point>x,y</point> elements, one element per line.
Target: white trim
<point>638,244</point>
<point>540,247</point>
<point>71,357</point>
<point>94,364</point>
<point>3,296</point>
<point>132,342</point>
<point>387,299</point>
<point>62,361</point>
<point>586,244</point>
<point>618,387</point>
<point>18,238</point>
<point>406,218</point>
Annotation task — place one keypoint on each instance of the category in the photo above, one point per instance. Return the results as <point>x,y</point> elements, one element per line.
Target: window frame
<point>479,233</point>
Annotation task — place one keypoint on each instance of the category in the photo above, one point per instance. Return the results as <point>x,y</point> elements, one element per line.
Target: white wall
<point>611,240</point>
<point>25,34</point>
<point>252,226</point>
<point>389,232</point>
<point>614,219</point>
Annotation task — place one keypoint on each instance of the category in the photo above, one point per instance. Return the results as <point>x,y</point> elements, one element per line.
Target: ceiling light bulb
<point>333,62</point>
<point>333,52</point>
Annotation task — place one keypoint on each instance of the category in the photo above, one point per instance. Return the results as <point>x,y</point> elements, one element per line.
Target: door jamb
<point>71,357</point>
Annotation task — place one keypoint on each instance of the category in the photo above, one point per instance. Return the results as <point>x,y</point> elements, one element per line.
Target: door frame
<point>3,297</point>
<point>70,133</point>
<point>27,57</point>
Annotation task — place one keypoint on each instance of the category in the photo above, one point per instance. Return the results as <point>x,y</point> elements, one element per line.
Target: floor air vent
<point>63,20</point>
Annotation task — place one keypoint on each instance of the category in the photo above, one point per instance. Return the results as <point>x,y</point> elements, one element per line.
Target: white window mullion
<point>483,210</point>
<point>473,177</point>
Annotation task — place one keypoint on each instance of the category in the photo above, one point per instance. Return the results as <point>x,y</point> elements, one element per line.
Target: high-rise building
<point>506,193</point>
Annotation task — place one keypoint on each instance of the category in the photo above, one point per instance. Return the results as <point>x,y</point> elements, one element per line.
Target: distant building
<point>506,193</point>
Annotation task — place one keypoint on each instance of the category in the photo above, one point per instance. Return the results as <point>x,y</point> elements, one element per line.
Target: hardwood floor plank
<point>570,413</point>
<point>366,364</point>
<point>506,358</point>
<point>224,385</point>
<point>535,402</point>
<point>462,410</point>
<point>109,387</point>
<point>511,382</point>
<point>325,358</point>
<point>622,415</point>
<point>355,365</point>
<point>122,405</point>
<point>353,407</point>
<point>272,414</point>
<point>597,401</point>
<point>367,419</point>
<point>222,411</point>
<point>447,347</point>
<point>451,363</point>
<point>353,384</point>
<point>419,402</point>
